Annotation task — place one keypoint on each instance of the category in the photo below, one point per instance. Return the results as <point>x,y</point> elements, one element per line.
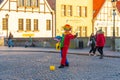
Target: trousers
<point>64,51</point>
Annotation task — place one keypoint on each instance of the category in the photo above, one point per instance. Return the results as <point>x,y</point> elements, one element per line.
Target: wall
<point>16,13</point>
<point>74,20</point>
<point>50,42</point>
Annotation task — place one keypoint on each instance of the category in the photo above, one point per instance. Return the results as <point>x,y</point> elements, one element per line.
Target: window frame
<point>35,24</point>
<point>48,25</point>
<point>20,24</point>
<point>28,24</point>
<point>5,24</point>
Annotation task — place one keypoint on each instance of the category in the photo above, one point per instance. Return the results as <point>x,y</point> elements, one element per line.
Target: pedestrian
<point>94,52</point>
<point>65,41</point>
<point>10,36</point>
<point>58,39</point>
<point>92,43</point>
<point>27,44</point>
<point>10,41</point>
<point>31,42</point>
<point>30,39</point>
<point>100,42</point>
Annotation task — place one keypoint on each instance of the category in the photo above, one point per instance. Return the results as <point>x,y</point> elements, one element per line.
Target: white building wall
<point>14,16</point>
<point>105,19</point>
<point>13,5</point>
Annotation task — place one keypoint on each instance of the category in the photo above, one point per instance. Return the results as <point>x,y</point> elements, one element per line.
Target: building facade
<point>104,17</point>
<point>25,18</point>
<point>77,13</point>
<point>45,18</point>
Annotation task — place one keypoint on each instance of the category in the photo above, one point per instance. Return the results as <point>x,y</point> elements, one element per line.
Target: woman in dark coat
<point>92,44</point>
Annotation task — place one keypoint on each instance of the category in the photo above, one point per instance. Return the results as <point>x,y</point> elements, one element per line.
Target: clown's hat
<point>67,27</point>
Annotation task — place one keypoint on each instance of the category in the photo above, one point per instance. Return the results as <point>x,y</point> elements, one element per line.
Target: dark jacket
<point>92,39</point>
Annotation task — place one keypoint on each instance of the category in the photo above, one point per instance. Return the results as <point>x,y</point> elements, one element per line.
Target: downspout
<point>53,24</point>
<point>93,25</point>
<point>55,17</point>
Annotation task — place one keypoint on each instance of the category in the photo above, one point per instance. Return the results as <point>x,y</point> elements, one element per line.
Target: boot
<point>101,57</point>
<point>61,66</point>
<point>67,65</point>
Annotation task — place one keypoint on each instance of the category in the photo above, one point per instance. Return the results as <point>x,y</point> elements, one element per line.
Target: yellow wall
<point>73,20</point>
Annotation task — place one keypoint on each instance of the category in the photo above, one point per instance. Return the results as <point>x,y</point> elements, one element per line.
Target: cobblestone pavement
<point>35,66</point>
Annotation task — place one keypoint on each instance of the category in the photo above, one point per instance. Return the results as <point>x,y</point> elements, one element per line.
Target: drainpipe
<point>53,25</point>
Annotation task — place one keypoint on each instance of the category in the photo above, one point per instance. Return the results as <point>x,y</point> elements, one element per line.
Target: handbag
<point>89,42</point>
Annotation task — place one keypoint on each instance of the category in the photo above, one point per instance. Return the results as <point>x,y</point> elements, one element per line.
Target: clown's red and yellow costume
<point>65,42</point>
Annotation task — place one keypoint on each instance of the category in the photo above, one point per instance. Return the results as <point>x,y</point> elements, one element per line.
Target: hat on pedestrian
<point>100,31</point>
<point>67,27</point>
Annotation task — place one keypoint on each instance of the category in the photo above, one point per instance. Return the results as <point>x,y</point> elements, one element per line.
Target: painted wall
<point>17,13</point>
<point>73,20</point>
<point>105,19</point>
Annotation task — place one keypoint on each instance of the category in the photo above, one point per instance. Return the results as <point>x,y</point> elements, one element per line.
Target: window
<point>117,31</point>
<point>28,3</point>
<point>69,10</point>
<point>35,24</point>
<point>63,9</point>
<point>35,3</point>
<point>80,31</point>
<point>84,11</point>
<point>105,31</point>
<point>20,24</point>
<point>111,31</point>
<point>84,31</point>
<point>78,10</point>
<point>20,3</point>
<point>66,10</point>
<point>28,25</point>
<point>48,25</point>
<point>5,24</point>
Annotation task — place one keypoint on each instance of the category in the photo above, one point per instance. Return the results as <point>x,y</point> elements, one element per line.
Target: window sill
<point>35,30</point>
<point>28,31</point>
<point>20,31</point>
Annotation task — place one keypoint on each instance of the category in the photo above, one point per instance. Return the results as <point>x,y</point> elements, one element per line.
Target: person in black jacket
<point>10,41</point>
<point>92,43</point>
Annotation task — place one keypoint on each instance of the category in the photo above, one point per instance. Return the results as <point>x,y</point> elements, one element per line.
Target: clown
<point>58,47</point>
<point>64,45</point>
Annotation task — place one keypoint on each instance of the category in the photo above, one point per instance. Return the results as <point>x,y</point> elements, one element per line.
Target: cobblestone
<point>35,66</point>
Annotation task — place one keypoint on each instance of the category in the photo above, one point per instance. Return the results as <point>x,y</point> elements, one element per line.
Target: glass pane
<point>35,3</point>
<point>20,3</point>
<point>28,3</point>
<point>35,24</point>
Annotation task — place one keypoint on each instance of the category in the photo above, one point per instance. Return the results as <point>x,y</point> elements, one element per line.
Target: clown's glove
<point>76,34</point>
